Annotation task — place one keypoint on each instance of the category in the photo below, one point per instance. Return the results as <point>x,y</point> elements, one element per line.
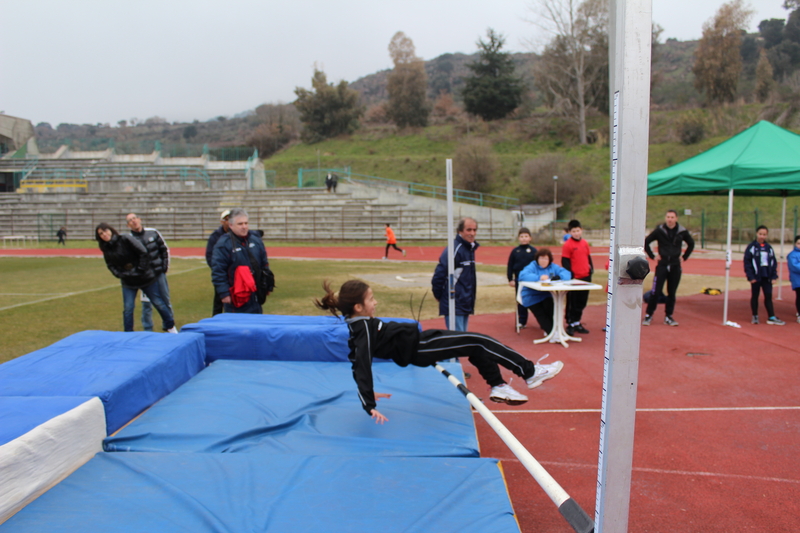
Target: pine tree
<point>493,91</point>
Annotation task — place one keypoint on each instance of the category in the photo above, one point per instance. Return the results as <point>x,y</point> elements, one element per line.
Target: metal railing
<point>418,189</point>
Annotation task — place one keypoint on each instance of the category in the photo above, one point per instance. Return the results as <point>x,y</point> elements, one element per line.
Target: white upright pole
<point>629,61</point>
<point>728,258</point>
<point>451,286</point>
<point>780,261</point>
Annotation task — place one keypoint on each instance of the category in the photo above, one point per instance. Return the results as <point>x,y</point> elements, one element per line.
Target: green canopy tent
<point>763,160</point>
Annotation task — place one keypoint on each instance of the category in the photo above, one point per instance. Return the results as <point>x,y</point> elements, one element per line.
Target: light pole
<point>555,206</point>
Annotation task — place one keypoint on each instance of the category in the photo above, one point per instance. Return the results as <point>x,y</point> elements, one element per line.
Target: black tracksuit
<point>520,257</point>
<point>668,269</point>
<point>403,343</point>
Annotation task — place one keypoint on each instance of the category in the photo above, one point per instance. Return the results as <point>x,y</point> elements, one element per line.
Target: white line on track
<point>675,472</point>
<point>68,294</point>
<point>665,409</point>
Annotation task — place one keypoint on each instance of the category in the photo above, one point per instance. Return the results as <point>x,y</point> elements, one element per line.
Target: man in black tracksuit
<point>670,237</point>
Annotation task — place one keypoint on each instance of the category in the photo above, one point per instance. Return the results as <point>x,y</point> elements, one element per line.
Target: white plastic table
<point>559,289</point>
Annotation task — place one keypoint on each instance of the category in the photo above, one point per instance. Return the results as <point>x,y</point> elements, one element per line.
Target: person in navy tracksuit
<point>238,247</point>
<point>761,269</point>
<point>466,283</point>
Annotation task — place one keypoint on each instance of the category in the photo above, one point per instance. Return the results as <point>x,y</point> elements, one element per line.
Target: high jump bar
<point>569,508</point>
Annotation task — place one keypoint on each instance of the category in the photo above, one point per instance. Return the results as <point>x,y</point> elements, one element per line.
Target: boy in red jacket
<point>576,257</point>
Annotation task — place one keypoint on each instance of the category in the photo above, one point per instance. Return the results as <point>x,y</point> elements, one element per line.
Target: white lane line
<point>675,472</point>
<point>655,410</point>
<point>68,294</point>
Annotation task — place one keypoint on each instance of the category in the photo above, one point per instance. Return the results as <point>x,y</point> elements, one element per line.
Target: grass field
<point>43,300</point>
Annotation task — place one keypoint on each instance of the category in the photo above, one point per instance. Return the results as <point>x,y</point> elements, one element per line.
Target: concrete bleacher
<point>182,197</point>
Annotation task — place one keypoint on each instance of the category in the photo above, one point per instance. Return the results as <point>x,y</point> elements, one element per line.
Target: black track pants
<point>484,352</point>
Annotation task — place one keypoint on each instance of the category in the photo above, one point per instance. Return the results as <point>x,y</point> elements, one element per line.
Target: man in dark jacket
<point>670,237</point>
<point>158,252</point>
<point>237,255</point>
<point>212,241</point>
<point>466,282</point>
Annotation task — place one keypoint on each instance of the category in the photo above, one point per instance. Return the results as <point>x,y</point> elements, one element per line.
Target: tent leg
<point>781,258</point>
<point>728,258</point>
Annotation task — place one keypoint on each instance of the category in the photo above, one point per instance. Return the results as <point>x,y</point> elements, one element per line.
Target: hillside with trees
<point>403,122</point>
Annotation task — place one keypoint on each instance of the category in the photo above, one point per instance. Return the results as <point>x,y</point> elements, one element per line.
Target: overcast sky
<point>98,61</point>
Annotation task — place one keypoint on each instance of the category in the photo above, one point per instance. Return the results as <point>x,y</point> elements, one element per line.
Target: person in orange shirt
<point>391,241</point>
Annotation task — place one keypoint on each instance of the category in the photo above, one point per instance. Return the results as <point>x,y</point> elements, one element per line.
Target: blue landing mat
<point>127,371</point>
<point>309,408</point>
<point>197,493</point>
<point>20,414</point>
<point>274,337</point>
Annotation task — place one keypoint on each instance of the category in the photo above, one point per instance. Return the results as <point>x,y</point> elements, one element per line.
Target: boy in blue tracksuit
<point>541,303</point>
<point>793,260</point>
<point>761,269</point>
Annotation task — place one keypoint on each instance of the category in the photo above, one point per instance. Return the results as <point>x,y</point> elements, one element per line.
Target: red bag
<point>243,286</point>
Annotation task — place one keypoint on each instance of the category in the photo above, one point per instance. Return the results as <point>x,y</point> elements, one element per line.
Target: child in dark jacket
<point>403,343</point>
<point>761,269</point>
<point>520,257</point>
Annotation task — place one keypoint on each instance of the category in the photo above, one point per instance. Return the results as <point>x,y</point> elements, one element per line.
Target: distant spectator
<point>328,182</point>
<point>577,258</point>
<point>520,257</point>
<point>212,241</point>
<point>391,240</point>
<point>159,262</point>
<point>761,269</point>
<point>62,235</point>
<point>334,182</point>
<point>566,236</point>
<point>466,281</point>
<point>128,260</point>
<point>236,265</point>
<point>793,260</point>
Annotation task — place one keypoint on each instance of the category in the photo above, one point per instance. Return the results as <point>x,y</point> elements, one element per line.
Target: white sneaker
<point>172,330</point>
<point>543,373</point>
<point>404,253</point>
<point>505,394</point>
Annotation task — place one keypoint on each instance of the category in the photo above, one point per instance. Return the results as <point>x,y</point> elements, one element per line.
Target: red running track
<point>717,437</point>
<point>492,255</point>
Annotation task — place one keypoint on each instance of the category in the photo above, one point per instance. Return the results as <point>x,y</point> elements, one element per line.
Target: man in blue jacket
<point>466,283</point>
<point>238,248</point>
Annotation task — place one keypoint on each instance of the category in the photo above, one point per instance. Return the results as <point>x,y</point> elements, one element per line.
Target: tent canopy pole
<point>728,257</point>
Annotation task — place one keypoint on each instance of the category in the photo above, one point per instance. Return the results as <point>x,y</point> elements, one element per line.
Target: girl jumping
<point>403,343</point>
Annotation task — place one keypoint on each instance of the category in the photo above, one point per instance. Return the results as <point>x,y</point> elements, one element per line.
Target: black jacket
<point>370,338</point>
<point>212,241</point>
<point>669,244</point>
<point>128,260</point>
<point>156,249</point>
<point>466,281</point>
<point>520,257</point>
<point>232,251</point>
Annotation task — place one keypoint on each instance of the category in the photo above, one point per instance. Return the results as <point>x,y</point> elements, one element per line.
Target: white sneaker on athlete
<point>775,321</point>
<point>505,394</point>
<point>798,319</point>
<point>755,319</point>
<point>404,253</point>
<point>670,321</point>
<point>543,373</point>
<point>646,321</point>
<point>172,330</point>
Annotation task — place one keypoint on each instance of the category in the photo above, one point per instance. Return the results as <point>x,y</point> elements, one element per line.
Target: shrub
<point>474,165</point>
<point>576,186</point>
<point>690,128</point>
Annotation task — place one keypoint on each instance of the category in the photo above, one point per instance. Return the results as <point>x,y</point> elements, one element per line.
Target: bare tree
<point>764,77</point>
<point>576,58</point>
<point>407,85</point>
<point>717,59</point>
